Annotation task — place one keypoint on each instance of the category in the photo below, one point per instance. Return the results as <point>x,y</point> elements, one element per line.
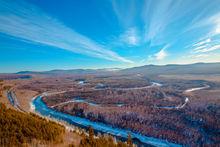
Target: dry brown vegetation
<point>190,125</point>
<point>27,125</point>
<point>196,124</point>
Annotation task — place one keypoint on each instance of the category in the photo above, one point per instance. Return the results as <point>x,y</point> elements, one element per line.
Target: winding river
<point>39,106</point>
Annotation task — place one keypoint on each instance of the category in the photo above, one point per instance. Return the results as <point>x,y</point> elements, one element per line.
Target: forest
<point>19,129</point>
<point>102,140</point>
<point>27,129</point>
<point>137,113</point>
<point>142,110</point>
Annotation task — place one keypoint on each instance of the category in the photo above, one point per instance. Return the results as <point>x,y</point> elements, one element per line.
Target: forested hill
<point>17,128</point>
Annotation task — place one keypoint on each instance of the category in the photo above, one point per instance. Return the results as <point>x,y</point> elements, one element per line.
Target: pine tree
<point>91,133</point>
<point>129,140</point>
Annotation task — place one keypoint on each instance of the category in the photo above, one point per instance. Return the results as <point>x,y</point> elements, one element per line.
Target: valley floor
<point>182,109</point>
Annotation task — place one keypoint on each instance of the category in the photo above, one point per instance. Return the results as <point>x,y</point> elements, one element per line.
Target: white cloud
<point>121,9</point>
<point>26,21</point>
<point>217,30</point>
<point>203,42</point>
<point>212,22</point>
<point>216,21</point>
<point>199,48</point>
<point>163,20</point>
<point>159,16</point>
<point>208,49</point>
<point>130,37</point>
<point>161,54</point>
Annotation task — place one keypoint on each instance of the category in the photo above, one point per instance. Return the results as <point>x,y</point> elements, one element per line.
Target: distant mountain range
<point>72,71</point>
<point>197,68</point>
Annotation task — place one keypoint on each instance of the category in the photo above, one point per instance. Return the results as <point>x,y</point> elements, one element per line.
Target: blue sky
<point>68,34</point>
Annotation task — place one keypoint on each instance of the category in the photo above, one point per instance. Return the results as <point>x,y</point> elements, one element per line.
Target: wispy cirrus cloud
<point>207,49</point>
<point>26,21</point>
<point>212,21</point>
<point>162,18</point>
<point>178,23</point>
<point>158,16</point>
<point>130,37</point>
<point>161,54</point>
<point>204,42</point>
<point>209,42</point>
<point>121,9</point>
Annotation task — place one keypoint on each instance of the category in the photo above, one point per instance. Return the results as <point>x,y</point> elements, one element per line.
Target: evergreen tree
<point>129,140</point>
<point>18,128</point>
<point>91,133</point>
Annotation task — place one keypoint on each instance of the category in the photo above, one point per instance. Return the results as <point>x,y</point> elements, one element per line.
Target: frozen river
<point>44,110</point>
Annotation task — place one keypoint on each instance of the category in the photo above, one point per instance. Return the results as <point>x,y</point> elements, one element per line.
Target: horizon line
<point>17,72</point>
